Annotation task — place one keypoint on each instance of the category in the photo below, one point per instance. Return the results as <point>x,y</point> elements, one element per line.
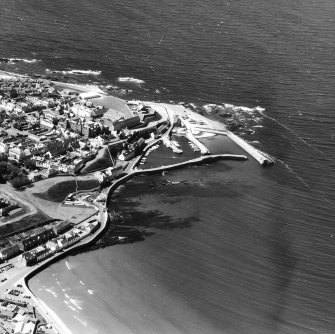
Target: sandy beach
<point>53,318</point>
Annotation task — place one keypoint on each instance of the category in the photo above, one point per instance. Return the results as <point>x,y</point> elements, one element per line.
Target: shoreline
<point>5,75</point>
<point>171,112</point>
<point>47,312</point>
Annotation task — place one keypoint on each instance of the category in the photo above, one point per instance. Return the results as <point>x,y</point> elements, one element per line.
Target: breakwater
<point>261,157</point>
<point>197,161</point>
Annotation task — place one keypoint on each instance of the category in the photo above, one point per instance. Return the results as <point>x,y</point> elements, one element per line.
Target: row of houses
<point>58,244</point>
<point>36,237</point>
<point>70,168</point>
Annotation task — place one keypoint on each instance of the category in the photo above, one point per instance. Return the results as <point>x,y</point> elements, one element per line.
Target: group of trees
<point>9,171</point>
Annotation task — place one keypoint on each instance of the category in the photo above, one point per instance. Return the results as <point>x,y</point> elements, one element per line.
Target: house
<point>52,245</point>
<point>4,147</point>
<point>47,124</point>
<point>71,238</point>
<point>42,252</point>
<point>62,242</point>
<point>19,316</point>
<point>6,210</point>
<point>16,153</point>
<point>9,252</point>
<point>97,142</point>
<point>62,226</point>
<point>37,238</point>
<point>90,227</point>
<point>38,149</point>
<point>77,164</point>
<point>28,258</point>
<point>25,327</point>
<point>41,162</point>
<point>109,174</point>
<point>6,314</point>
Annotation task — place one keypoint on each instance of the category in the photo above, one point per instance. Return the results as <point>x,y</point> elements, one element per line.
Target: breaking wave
<point>18,60</point>
<point>75,72</point>
<point>242,120</point>
<point>230,107</point>
<point>131,80</point>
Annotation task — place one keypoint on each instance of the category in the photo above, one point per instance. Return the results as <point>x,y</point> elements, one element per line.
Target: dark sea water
<point>239,248</point>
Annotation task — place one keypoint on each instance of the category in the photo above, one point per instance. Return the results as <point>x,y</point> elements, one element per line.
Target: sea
<point>228,247</point>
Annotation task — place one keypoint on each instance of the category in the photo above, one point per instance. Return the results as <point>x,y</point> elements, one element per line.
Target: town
<point>52,134</point>
<point>47,131</point>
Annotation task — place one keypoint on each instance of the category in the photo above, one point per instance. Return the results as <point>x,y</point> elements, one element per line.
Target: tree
<point>3,157</point>
<point>20,181</point>
<point>29,164</point>
<point>55,121</point>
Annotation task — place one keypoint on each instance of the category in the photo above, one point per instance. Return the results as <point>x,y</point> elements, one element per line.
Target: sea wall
<point>261,157</point>
<point>197,161</point>
<point>74,249</point>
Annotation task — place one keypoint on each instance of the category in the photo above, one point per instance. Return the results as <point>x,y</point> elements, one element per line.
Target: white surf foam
<point>52,292</point>
<point>131,80</point>
<point>230,107</point>
<point>76,303</point>
<point>83,322</point>
<point>75,72</point>
<point>22,60</point>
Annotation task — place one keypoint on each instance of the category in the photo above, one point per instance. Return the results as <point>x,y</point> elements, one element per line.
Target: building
<point>62,242</point>
<point>62,226</point>
<point>6,210</point>
<point>4,147</point>
<point>6,314</point>
<point>37,238</point>
<point>116,121</point>
<point>28,258</point>
<point>71,238</point>
<point>82,111</point>
<point>42,252</point>
<point>89,95</point>
<point>9,252</point>
<point>77,164</point>
<point>97,142</point>
<point>90,227</point>
<point>16,153</point>
<point>53,245</point>
<point>109,174</point>
<point>41,162</point>
<point>162,128</point>
<point>25,327</point>
<point>46,123</point>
